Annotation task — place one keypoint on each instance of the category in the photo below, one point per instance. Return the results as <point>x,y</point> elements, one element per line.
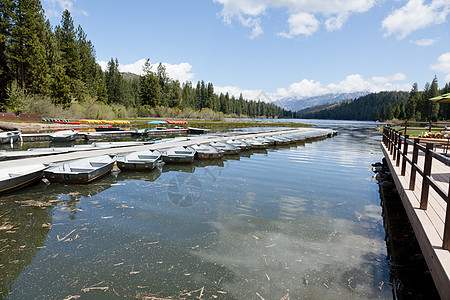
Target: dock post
<point>399,148</point>
<point>405,153</point>
<point>412,181</point>
<point>446,239</point>
<point>426,175</point>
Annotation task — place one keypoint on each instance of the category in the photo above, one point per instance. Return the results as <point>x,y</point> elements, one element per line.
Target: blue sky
<point>286,48</point>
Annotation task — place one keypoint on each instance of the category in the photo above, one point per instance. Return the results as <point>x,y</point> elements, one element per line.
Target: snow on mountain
<point>296,104</point>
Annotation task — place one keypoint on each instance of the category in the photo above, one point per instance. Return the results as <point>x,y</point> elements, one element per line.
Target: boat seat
<point>80,170</point>
<point>147,156</point>
<point>97,164</point>
<point>137,160</point>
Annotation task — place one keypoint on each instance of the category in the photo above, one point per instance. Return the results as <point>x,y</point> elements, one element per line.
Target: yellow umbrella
<point>445,98</point>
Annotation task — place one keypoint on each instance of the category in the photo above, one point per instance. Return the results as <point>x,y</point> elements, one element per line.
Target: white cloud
<point>56,7</point>
<point>443,65</point>
<point>310,88</point>
<point>301,24</point>
<point>424,42</point>
<point>236,91</point>
<point>181,72</point>
<point>415,15</point>
<point>303,17</point>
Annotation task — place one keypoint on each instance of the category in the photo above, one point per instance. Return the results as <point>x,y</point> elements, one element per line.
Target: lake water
<point>302,221</point>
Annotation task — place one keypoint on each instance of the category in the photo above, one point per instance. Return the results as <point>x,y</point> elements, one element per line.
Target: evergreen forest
<point>382,106</point>
<point>54,72</point>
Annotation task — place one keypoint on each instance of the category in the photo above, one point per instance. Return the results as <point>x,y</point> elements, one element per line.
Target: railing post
<point>405,153</point>
<point>406,126</point>
<point>412,181</point>
<point>426,173</point>
<point>389,139</point>
<point>394,141</point>
<point>446,239</point>
<point>399,145</point>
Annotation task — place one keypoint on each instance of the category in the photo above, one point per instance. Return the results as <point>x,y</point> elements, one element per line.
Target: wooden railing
<point>429,126</point>
<point>398,145</point>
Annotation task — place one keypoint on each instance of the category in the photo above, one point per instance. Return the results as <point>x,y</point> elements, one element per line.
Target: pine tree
<point>26,48</point>
<point>5,31</point>
<point>68,45</point>
<point>115,84</point>
<point>150,87</point>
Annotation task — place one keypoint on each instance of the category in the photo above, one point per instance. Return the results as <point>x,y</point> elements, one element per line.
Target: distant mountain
<point>129,76</point>
<point>296,104</point>
<point>371,107</point>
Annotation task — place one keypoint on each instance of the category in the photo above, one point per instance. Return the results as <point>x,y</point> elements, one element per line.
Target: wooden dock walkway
<point>422,178</point>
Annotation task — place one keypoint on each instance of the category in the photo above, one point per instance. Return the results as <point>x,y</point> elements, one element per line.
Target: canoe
<point>64,136</point>
<point>239,143</point>
<point>82,170</point>
<point>178,155</point>
<point>139,160</point>
<point>227,148</point>
<point>16,177</point>
<point>9,137</point>
<point>204,151</point>
<point>108,128</point>
<point>67,122</point>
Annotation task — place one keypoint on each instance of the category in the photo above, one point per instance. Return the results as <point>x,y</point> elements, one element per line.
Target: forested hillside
<point>383,106</point>
<point>54,70</point>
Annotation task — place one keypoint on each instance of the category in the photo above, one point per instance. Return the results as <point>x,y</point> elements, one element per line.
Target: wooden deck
<point>428,224</point>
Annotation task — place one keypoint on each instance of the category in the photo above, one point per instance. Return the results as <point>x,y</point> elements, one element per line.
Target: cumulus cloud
<point>352,83</point>
<point>443,65</point>
<point>415,15</point>
<point>310,88</point>
<point>181,72</point>
<point>303,17</point>
<point>301,24</point>
<point>424,42</point>
<point>56,7</point>
<point>236,91</point>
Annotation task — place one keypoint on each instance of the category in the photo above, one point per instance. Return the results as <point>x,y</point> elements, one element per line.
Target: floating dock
<point>85,135</point>
<point>422,178</point>
<point>308,133</point>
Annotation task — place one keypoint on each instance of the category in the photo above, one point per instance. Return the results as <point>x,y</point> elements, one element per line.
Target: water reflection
<point>24,225</point>
<point>298,221</point>
<point>146,176</point>
<point>187,168</point>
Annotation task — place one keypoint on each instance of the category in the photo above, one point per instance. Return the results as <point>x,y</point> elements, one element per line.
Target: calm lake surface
<point>302,221</point>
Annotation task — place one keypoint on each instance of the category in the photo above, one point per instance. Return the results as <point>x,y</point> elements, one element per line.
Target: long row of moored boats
<point>88,169</point>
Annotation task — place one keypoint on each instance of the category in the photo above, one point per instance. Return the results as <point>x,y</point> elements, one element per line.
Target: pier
<point>422,175</point>
<point>85,135</point>
<point>309,133</point>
